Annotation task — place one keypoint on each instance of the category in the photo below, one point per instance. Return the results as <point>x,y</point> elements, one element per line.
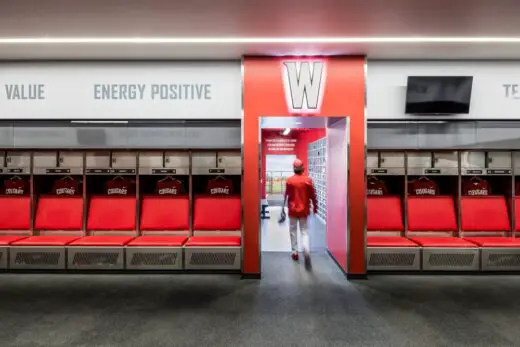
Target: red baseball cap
<point>297,164</point>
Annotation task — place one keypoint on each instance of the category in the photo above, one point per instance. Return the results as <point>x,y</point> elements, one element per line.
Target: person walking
<point>299,193</point>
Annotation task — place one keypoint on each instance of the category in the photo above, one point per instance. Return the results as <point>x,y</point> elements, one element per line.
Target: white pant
<point>293,227</point>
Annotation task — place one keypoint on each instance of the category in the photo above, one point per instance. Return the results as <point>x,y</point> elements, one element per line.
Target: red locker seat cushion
<point>389,241</point>
<point>15,212</point>
<point>484,213</point>
<point>214,241</point>
<point>384,213</point>
<point>102,241</point>
<point>431,213</point>
<point>158,241</point>
<point>495,241</point>
<point>217,213</point>
<point>6,240</point>
<point>45,241</point>
<point>111,213</point>
<point>443,242</point>
<point>165,213</point>
<point>59,213</point>
<point>517,213</point>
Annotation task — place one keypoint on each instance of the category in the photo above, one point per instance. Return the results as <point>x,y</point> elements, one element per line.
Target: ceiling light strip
<point>252,40</point>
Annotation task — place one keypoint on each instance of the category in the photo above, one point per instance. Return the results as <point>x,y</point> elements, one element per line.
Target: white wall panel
<point>121,90</point>
<point>495,93</point>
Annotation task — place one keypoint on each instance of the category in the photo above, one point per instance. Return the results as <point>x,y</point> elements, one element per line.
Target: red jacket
<point>300,192</point>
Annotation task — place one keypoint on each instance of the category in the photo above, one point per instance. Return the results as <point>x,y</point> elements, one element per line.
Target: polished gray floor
<point>288,307</point>
<point>276,238</point>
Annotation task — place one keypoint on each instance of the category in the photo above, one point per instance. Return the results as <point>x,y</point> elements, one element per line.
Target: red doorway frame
<point>344,95</point>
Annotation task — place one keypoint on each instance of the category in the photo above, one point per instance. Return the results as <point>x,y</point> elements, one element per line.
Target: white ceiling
<point>254,19</point>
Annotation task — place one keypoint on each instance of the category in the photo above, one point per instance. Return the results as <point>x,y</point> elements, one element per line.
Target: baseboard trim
<point>251,276</point>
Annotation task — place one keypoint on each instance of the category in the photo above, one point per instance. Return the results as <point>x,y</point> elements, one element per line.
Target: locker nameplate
<point>15,170</point>
<point>57,171</point>
<point>432,171</point>
<point>123,171</point>
<point>164,171</point>
<point>217,171</point>
<point>379,171</point>
<point>98,171</point>
<point>498,172</point>
<point>110,171</point>
<point>474,172</point>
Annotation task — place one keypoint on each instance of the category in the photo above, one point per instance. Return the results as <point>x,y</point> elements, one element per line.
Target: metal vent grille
<point>143,258</point>
<point>37,258</point>
<point>451,259</point>
<point>88,258</point>
<point>504,260</point>
<point>213,259</point>
<point>391,259</point>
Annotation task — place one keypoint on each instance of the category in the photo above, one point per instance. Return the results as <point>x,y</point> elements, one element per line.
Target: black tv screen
<point>438,95</point>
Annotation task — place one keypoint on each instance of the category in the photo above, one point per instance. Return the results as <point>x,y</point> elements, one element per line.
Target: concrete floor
<point>276,238</point>
<point>288,307</point>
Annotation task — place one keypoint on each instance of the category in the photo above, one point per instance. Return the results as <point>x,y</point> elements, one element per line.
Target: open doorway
<point>317,142</point>
<point>278,168</point>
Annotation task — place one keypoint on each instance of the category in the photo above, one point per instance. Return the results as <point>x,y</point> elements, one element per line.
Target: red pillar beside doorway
<point>343,96</point>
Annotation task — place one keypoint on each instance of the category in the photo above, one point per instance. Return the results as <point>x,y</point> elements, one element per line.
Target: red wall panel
<point>344,96</point>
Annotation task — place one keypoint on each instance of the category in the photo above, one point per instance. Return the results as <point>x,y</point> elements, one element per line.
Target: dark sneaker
<point>294,256</point>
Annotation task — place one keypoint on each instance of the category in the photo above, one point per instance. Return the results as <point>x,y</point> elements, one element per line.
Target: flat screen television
<point>438,95</point>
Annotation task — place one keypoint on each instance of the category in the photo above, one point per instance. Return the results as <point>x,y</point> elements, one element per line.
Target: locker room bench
<point>433,222</point>
<point>58,221</point>
<point>217,225</point>
<point>15,223</point>
<point>111,224</point>
<point>485,222</point>
<point>387,249</point>
<point>165,228</point>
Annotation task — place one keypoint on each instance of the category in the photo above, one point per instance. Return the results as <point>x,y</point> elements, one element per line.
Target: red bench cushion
<point>495,241</point>
<point>389,241</point>
<point>158,241</point>
<point>484,213</point>
<point>443,242</point>
<point>59,213</point>
<point>217,213</point>
<point>431,213</point>
<point>6,240</point>
<point>165,213</point>
<point>45,240</point>
<point>15,212</point>
<point>102,241</point>
<point>111,213</point>
<point>517,213</point>
<point>214,241</point>
<point>384,213</point>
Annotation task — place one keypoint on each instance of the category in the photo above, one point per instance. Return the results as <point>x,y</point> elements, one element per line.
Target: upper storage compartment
<point>161,163</point>
<point>217,163</point>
